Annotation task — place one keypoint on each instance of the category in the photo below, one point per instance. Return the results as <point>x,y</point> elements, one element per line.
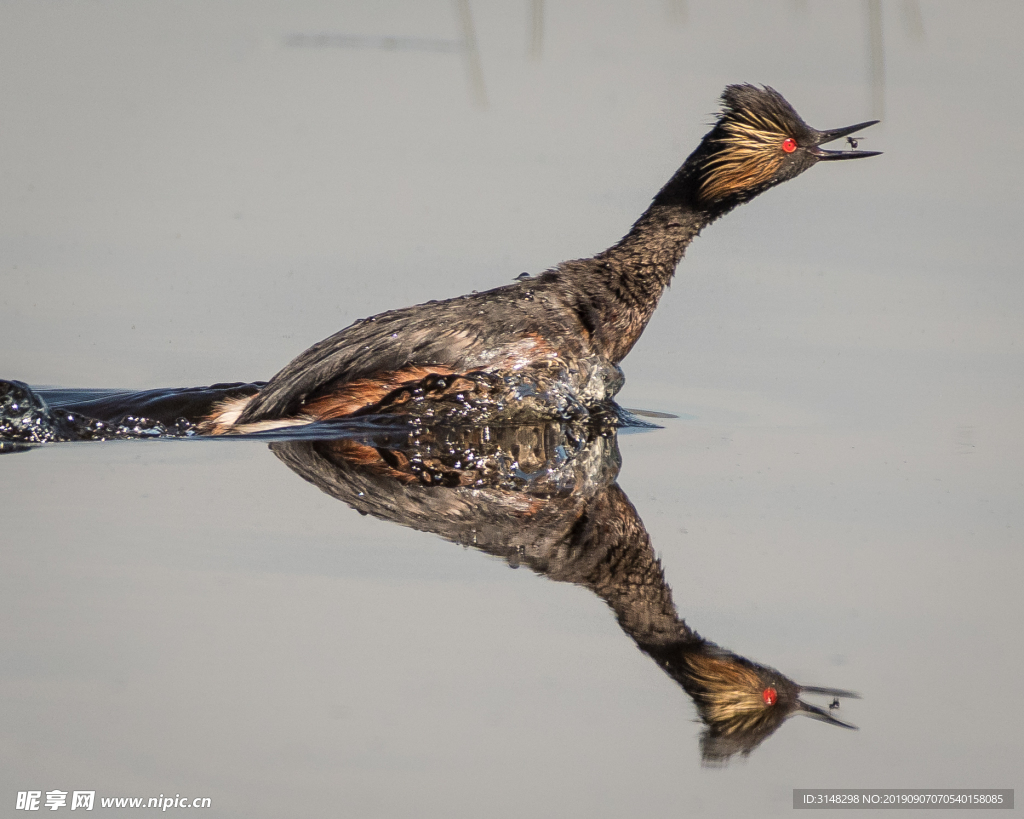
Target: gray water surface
<point>196,193</point>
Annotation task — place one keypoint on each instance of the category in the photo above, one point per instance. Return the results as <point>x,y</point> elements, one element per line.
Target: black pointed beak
<point>830,692</point>
<point>815,712</point>
<point>825,137</point>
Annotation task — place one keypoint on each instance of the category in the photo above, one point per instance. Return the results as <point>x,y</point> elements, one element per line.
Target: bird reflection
<point>540,494</point>
<point>544,496</point>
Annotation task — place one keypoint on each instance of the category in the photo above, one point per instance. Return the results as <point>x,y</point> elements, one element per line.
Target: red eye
<point>770,695</point>
<point>789,145</point>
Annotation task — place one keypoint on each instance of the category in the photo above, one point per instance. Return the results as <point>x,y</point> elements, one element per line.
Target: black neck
<point>617,291</point>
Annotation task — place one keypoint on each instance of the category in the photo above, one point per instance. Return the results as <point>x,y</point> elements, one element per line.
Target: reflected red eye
<point>770,695</point>
<point>789,145</point>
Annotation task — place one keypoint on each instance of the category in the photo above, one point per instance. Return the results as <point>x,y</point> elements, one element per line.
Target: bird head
<point>758,141</point>
<point>743,703</point>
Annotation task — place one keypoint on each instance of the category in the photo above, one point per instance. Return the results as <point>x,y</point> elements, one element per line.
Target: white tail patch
<point>224,419</point>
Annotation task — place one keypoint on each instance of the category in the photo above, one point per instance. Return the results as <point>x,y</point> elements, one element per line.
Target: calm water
<point>195,194</point>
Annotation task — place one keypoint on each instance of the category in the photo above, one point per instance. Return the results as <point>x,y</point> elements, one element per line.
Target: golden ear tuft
<point>729,694</point>
<point>747,155</point>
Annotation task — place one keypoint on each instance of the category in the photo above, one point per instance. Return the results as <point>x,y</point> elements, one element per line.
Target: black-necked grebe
<point>544,496</point>
<point>554,340</point>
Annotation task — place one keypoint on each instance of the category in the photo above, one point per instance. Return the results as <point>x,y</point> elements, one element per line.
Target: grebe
<point>544,496</point>
<point>550,342</point>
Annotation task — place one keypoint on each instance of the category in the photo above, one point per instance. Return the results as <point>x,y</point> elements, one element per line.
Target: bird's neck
<point>609,552</point>
<point>626,281</point>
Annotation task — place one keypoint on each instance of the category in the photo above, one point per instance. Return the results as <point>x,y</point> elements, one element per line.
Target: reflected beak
<point>814,711</point>
<point>825,137</point>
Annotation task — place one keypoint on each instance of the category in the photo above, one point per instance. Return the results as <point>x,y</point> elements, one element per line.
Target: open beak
<point>825,137</point>
<point>814,711</point>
